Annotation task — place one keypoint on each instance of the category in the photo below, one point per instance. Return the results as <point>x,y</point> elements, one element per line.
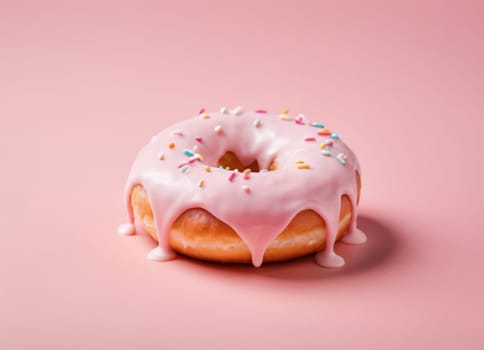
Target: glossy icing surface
<point>179,171</point>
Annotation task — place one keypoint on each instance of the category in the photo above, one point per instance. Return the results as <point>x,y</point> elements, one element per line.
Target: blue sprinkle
<point>221,167</point>
<point>318,125</point>
<point>342,161</point>
<point>334,136</point>
<point>326,153</point>
<point>188,153</point>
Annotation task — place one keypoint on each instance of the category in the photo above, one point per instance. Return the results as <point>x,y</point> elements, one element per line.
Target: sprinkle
<point>261,111</point>
<point>198,139</point>
<point>342,158</point>
<point>326,153</point>
<point>202,111</point>
<point>318,125</point>
<point>300,161</point>
<point>193,160</point>
<point>342,161</point>
<point>195,148</point>
<point>201,183</point>
<point>218,129</point>
<point>257,123</point>
<point>246,174</point>
<point>227,168</point>
<point>322,145</point>
<point>161,156</point>
<point>176,133</point>
<point>246,189</point>
<point>199,156</point>
<point>263,171</point>
<point>223,110</point>
<point>334,136</point>
<point>205,116</point>
<point>171,145</point>
<point>208,169</point>
<point>221,167</point>
<point>303,166</point>
<point>310,139</point>
<point>324,132</point>
<point>182,164</point>
<point>329,142</point>
<point>299,120</point>
<point>236,110</point>
<point>188,153</point>
<point>184,169</point>
<point>283,117</point>
<point>286,111</point>
<point>232,176</point>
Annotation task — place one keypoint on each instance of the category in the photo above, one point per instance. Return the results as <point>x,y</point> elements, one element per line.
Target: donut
<point>240,186</point>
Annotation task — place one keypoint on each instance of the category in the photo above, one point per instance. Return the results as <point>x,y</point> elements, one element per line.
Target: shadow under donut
<point>382,245</point>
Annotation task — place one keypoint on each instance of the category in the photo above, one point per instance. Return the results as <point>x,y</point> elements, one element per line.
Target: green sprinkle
<point>326,153</point>
<point>318,125</point>
<point>184,169</point>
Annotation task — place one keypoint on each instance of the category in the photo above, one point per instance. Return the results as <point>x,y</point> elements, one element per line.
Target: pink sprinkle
<point>299,120</point>
<point>261,111</point>
<point>182,164</point>
<point>310,139</point>
<point>246,174</point>
<point>202,111</point>
<point>199,139</point>
<point>329,142</point>
<point>246,188</point>
<point>232,176</point>
<point>192,159</point>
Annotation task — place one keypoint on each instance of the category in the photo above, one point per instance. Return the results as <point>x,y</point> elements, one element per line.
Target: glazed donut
<point>242,187</point>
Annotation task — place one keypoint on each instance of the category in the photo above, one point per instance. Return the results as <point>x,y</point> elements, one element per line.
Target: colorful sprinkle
<point>195,148</point>
<point>232,176</point>
<point>199,156</point>
<point>176,133</point>
<point>184,169</point>
<point>257,123</point>
<point>263,171</point>
<point>246,188</point>
<point>193,160</point>
<point>318,125</point>
<point>326,153</point>
<point>236,110</point>
<point>322,145</point>
<point>299,120</point>
<point>161,156</point>
<point>303,166</point>
<point>334,136</point>
<point>246,174</point>
<point>198,139</point>
<point>182,164</point>
<point>218,129</point>
<point>223,110</point>
<point>324,132</point>
<point>188,153</point>
<point>171,145</point>
<point>201,111</point>
<point>329,142</point>
<point>261,111</point>
<point>283,117</point>
<point>208,169</point>
<point>205,116</point>
<point>286,111</point>
<point>201,183</point>
<point>310,139</point>
<point>300,161</point>
<point>342,158</point>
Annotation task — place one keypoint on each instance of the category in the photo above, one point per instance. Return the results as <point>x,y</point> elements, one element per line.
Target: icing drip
<point>314,168</point>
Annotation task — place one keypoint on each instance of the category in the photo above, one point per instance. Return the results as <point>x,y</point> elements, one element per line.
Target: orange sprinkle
<point>208,169</point>
<point>205,116</point>
<point>246,173</point>
<point>201,183</point>
<point>324,132</point>
<point>286,111</point>
<point>199,156</point>
<point>322,146</point>
<point>171,145</point>
<point>303,166</point>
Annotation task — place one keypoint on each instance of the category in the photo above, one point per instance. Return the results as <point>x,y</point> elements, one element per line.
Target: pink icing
<point>258,207</point>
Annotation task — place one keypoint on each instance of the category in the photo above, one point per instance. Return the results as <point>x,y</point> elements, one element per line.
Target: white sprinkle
<point>218,129</point>
<point>176,133</point>
<point>223,110</point>
<point>257,123</point>
<point>236,110</point>
<point>196,148</point>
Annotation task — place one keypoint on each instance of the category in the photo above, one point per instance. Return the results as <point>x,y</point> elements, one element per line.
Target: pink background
<point>83,87</point>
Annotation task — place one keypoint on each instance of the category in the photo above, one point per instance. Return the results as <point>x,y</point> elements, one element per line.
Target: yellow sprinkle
<point>171,145</point>
<point>208,169</point>
<point>303,166</point>
<point>199,156</point>
<point>205,116</point>
<point>283,117</point>
<point>227,168</point>
<point>322,146</point>
<point>286,111</point>
<point>201,184</point>
<point>299,161</point>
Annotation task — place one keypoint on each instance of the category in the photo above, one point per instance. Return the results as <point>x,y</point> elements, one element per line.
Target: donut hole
<point>229,160</point>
